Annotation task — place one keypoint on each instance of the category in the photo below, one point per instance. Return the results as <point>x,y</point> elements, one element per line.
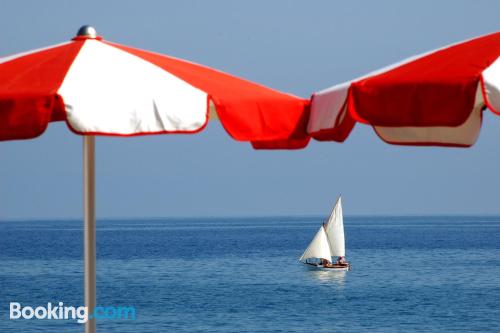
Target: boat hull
<point>338,268</point>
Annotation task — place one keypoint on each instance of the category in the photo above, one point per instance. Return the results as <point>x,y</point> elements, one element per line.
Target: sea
<point>409,274</point>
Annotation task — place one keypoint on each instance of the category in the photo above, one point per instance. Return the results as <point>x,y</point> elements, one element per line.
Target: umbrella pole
<point>89,241</point>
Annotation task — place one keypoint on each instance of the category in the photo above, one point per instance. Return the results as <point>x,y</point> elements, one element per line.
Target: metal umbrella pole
<point>89,240</point>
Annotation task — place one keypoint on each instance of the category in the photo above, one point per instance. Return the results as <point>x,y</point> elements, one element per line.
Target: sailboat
<point>327,243</point>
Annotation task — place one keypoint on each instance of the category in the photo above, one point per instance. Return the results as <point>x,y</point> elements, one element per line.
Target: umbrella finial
<point>87,31</point>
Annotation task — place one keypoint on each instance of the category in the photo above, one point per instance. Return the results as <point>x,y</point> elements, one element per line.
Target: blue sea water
<point>410,274</point>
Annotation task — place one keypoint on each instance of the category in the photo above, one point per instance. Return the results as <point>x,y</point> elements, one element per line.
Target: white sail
<point>335,231</point>
<point>318,248</point>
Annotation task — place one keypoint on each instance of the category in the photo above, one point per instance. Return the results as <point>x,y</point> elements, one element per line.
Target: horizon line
<point>20,219</point>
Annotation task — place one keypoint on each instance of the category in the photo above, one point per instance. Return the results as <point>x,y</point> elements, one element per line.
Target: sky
<point>294,46</point>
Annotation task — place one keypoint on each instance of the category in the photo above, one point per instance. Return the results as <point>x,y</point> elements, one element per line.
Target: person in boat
<point>341,261</point>
<point>326,263</point>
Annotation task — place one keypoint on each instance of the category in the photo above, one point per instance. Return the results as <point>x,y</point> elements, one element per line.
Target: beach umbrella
<point>433,99</point>
<point>103,88</point>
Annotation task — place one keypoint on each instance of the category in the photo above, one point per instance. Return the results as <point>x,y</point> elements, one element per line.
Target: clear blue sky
<point>295,46</point>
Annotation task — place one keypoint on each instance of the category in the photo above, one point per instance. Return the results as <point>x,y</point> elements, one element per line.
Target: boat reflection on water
<point>336,277</point>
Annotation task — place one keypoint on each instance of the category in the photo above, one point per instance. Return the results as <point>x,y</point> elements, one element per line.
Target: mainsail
<point>318,248</point>
<point>335,231</point>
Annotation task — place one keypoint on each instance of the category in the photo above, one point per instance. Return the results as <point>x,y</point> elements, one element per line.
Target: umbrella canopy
<point>103,88</point>
<point>432,99</point>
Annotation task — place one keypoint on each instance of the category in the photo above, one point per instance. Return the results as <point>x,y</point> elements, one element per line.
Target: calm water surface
<point>410,274</point>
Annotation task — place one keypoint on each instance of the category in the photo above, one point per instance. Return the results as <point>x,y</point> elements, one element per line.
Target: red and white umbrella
<point>103,88</point>
<point>432,99</point>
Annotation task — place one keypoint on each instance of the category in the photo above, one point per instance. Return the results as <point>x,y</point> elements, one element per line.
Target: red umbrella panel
<point>103,88</point>
<point>432,99</point>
